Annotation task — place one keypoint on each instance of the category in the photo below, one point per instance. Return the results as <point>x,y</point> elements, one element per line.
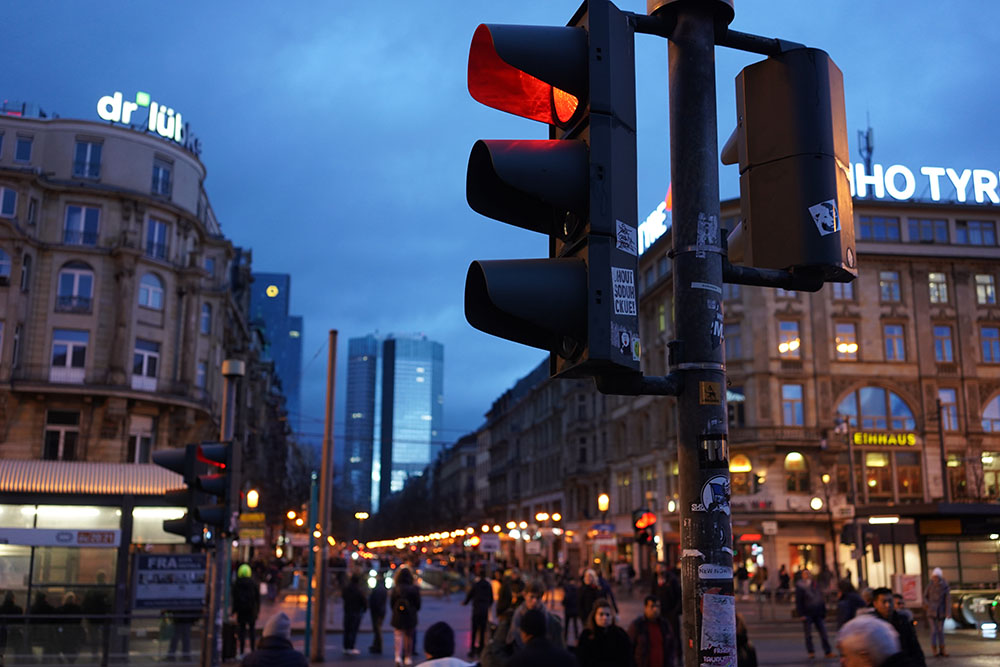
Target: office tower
<point>270,296</point>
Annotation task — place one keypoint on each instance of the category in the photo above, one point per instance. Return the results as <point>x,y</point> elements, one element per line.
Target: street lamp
<point>825,478</point>
<point>603,502</point>
<point>253,498</point>
<point>361,516</point>
<point>843,427</point>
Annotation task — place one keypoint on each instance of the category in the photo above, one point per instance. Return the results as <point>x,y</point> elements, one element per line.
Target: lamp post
<point>825,478</point>
<point>843,427</point>
<point>603,503</point>
<point>361,516</point>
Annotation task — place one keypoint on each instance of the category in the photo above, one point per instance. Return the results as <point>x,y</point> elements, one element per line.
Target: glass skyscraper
<point>395,402</point>
<point>270,296</point>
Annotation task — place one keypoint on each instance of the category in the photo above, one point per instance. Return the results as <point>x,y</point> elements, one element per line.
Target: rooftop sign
<point>900,183</point>
<point>160,119</point>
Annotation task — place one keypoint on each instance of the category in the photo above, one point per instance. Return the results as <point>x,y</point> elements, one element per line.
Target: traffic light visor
<point>531,71</point>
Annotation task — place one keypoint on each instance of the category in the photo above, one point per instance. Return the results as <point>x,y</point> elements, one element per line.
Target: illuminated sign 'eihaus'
<point>892,439</point>
<point>160,118</point>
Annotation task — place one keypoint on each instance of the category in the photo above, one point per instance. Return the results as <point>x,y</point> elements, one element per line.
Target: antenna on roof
<point>866,141</point>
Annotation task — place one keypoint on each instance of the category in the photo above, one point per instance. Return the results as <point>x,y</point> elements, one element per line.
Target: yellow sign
<point>892,439</point>
<point>710,393</point>
<point>252,517</point>
<point>252,533</point>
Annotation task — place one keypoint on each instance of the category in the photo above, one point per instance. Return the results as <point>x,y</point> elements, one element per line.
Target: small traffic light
<point>643,521</point>
<point>217,457</point>
<point>578,187</point>
<point>182,461</point>
<point>791,145</point>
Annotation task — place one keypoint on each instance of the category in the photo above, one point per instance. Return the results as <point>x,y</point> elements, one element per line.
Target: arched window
<point>76,288</point>
<point>151,292</point>
<point>991,416</point>
<point>206,318</point>
<point>796,473</point>
<point>740,472</point>
<point>877,409</point>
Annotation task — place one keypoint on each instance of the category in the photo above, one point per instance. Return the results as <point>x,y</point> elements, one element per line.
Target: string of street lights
<point>514,529</point>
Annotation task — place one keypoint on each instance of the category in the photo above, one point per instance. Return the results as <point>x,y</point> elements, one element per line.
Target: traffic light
<point>578,187</point>
<point>791,145</point>
<point>182,461</point>
<point>217,457</point>
<point>643,521</point>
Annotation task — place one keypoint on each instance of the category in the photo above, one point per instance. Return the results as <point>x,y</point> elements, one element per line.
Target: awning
<point>80,477</point>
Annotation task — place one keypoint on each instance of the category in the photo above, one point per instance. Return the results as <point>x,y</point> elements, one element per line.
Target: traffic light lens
<point>498,84</point>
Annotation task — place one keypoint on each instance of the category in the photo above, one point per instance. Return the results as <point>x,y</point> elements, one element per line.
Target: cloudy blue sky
<point>336,135</point>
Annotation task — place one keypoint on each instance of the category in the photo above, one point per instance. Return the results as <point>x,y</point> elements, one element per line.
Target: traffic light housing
<point>578,187</point>
<point>644,523</point>
<point>217,480</point>
<point>791,145</point>
<point>183,461</point>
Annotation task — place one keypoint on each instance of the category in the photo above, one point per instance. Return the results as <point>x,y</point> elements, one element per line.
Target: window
<point>146,358</point>
<point>15,357</point>
<point>878,474</point>
<point>878,228</point>
<point>975,232</point>
<point>928,231</point>
<point>843,291</point>
<point>735,406</point>
<point>161,178</point>
<point>210,266</point>
<point>151,292</point>
<point>25,273</point>
<point>140,439</point>
<point>895,349</point>
<point>781,293</point>
<point>986,292</point>
<point>937,283</point>
<point>949,409</point>
<point>796,473</point>
<point>879,410</point>
<point>740,473</point>
<point>76,288</point>
<point>62,428</point>
<point>661,318</point>
<point>206,318</point>
<point>789,343</point>
<point>87,160</point>
<point>8,202</point>
<point>22,152</point>
<point>888,286</point>
<point>156,238</point>
<point>942,344</point>
<point>4,267</point>
<point>991,416</point>
<point>69,355</point>
<point>81,225</point>
<point>791,404</point>
<point>731,332</point>
<point>990,337</point>
<point>846,341</point>
<point>33,211</point>
<point>201,373</point>
<point>731,292</point>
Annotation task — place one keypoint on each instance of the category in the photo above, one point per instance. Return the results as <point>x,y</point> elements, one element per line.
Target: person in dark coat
<point>70,629</point>
<point>667,587</point>
<point>275,647</point>
<point>603,642</point>
<point>405,601</point>
<point>884,607</point>
<point>511,591</point>
<point>10,628</point>
<point>355,606</point>
<point>868,641</point>
<point>481,596</point>
<point>571,608</point>
<point>589,592</point>
<point>652,639</point>
<point>96,606</point>
<point>538,651</point>
<point>849,601</point>
<point>42,629</point>
<point>246,604</point>
<point>810,607</point>
<point>376,607</point>
<point>746,654</point>
<point>182,619</point>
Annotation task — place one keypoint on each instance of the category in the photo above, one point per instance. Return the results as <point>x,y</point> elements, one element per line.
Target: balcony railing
<point>66,375</point>
<point>143,383</point>
<point>87,169</point>
<point>156,250</point>
<point>74,304</point>
<point>77,237</point>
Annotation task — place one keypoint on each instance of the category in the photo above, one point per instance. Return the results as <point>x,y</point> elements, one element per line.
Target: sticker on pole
<point>825,215</point>
<point>710,571</point>
<point>623,289</point>
<point>626,238</point>
<point>714,496</point>
<point>718,630</point>
<point>710,393</point>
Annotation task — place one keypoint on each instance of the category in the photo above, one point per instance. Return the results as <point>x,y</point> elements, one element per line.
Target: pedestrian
<point>355,605</point>
<point>937,603</point>
<point>571,609</point>
<point>884,607</point>
<point>405,601</point>
<point>496,583</point>
<point>667,588</point>
<point>604,643</point>
<point>743,580</point>
<point>439,647</point>
<point>275,648</point>
<point>606,591</point>
<point>182,619</point>
<point>510,591</point>
<point>376,607</point>
<point>539,650</point>
<point>848,602</point>
<point>652,639</point>
<point>784,583</point>
<point>867,641</point>
<point>42,631</point>
<point>10,629</point>
<point>481,596</point>
<point>533,594</point>
<point>810,607</point>
<point>246,605</point>
<point>825,578</point>
<point>70,632</point>
<point>589,592</point>
<point>746,654</point>
<point>96,607</point>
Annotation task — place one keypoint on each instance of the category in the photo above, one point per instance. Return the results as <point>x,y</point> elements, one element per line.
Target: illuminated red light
<point>645,521</point>
<point>750,537</point>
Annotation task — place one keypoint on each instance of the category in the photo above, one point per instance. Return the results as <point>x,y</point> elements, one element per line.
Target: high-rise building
<point>395,401</point>
<point>270,297</point>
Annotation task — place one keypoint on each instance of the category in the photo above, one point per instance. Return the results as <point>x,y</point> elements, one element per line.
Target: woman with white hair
<point>937,602</point>
<point>868,641</point>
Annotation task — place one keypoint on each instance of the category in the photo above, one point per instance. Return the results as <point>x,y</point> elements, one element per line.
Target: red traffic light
<point>645,520</point>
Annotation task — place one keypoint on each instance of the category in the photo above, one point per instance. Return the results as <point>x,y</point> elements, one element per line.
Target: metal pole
<point>945,482</point>
<point>709,612</point>
<point>859,551</point>
<point>325,500</point>
<point>313,502</point>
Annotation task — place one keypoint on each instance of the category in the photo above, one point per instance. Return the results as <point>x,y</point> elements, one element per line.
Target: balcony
<point>87,170</point>
<point>156,250</point>
<point>143,383</point>
<point>65,375</point>
<point>77,237</point>
<point>74,304</point>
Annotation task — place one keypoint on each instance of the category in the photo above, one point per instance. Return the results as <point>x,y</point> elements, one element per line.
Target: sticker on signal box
<point>623,290</point>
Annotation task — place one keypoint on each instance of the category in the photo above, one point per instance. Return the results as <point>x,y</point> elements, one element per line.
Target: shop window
<point>908,473</point>
<point>846,341</point>
<point>147,525</point>
<point>62,429</point>
<point>991,475</point>
<point>942,345</point>
<point>878,475</point>
<point>791,405</point>
<point>789,342</point>
<point>740,475</point>
<point>986,291</point>
<point>796,473</point>
<point>937,285</point>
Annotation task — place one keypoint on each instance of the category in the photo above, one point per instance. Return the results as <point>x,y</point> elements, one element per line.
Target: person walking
<point>10,625</point>
<point>246,605</point>
<point>376,607</point>
<point>355,604</point>
<point>849,601</point>
<point>538,649</point>
<point>533,594</point>
<point>667,588</point>
<point>70,628</point>
<point>651,636</point>
<point>481,596</point>
<point>884,606</point>
<point>42,629</point>
<point>275,648</point>
<point>810,607</point>
<point>182,620</point>
<point>589,592</point>
<point>96,607</point>
<point>784,583</point>
<point>603,642</point>
<point>405,601</point>
<point>571,609</point>
<point>867,641</point>
<point>937,603</point>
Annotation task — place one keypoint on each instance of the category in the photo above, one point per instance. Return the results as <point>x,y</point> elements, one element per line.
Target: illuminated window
<point>949,409</point>
<point>888,286</point>
<point>843,291</point>
<point>895,349</point>
<point>151,292</point>
<point>942,344</point>
<point>990,337</point>
<point>87,159</point>
<point>986,292</point>
<point>740,474</point>
<point>789,342</point>
<point>76,288</point>
<point>81,225</point>
<point>8,202</point>
<point>991,474</point>
<point>908,473</point>
<point>937,284</point>
<point>796,473</point>
<point>846,341</point>
<point>975,232</point>
<point>878,474</point>
<point>791,404</point>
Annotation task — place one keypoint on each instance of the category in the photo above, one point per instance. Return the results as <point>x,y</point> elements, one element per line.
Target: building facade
<point>270,301</point>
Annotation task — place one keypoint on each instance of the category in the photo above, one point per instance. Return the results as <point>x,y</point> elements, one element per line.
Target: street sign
<point>169,581</point>
<point>843,512</point>
<point>533,547</point>
<point>769,527</point>
<point>489,543</point>
<point>605,542</point>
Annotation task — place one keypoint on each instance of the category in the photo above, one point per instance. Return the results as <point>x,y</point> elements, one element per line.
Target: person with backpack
<point>246,605</point>
<point>405,602</point>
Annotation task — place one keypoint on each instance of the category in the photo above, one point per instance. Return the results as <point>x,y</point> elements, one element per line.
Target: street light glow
<point>361,516</point>
<point>556,516</point>
<point>877,520</point>
<point>816,503</point>
<point>253,497</point>
<point>291,514</point>
<point>603,501</point>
